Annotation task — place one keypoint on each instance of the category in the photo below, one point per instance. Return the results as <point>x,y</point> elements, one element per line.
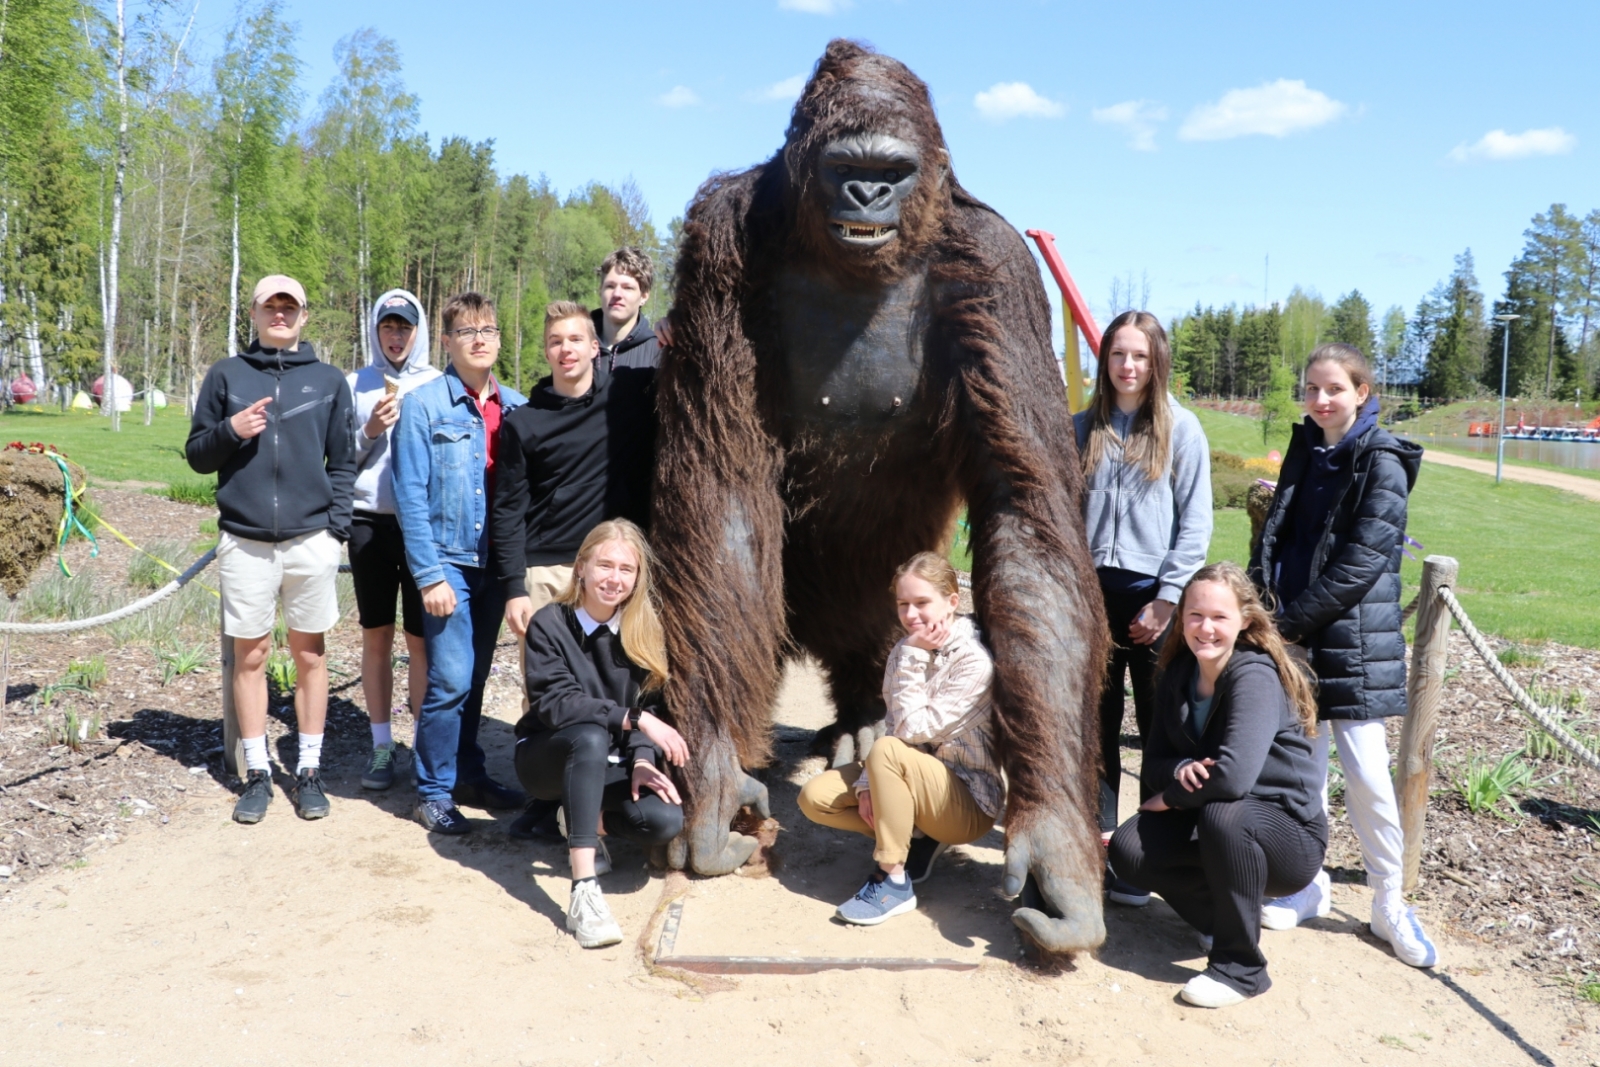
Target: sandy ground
<point>1572,483</point>
<point>361,939</point>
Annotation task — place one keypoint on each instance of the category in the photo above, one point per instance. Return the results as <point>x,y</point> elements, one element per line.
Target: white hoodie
<point>374,485</point>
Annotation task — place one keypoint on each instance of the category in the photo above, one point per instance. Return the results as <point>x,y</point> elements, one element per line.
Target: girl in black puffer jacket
<point>1329,559</point>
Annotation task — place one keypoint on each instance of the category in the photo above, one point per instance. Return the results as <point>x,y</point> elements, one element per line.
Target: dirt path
<point>361,939</point>
<point>1572,483</point>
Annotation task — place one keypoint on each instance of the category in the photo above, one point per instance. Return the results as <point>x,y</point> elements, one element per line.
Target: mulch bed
<point>1526,881</point>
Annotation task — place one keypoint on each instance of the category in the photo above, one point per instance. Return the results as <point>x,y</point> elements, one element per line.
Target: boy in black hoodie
<point>276,424</point>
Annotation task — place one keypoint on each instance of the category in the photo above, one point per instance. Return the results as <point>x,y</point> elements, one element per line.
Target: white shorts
<point>255,574</point>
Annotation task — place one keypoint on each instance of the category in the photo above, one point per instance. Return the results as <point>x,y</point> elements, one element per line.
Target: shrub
<point>1484,787</point>
<point>145,572</point>
<point>281,673</point>
<point>199,491</point>
<point>88,673</point>
<point>1519,656</point>
<point>176,662</point>
<point>1232,477</point>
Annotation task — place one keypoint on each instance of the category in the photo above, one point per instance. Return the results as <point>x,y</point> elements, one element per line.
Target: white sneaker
<point>1314,901</point>
<point>1398,925</point>
<point>1203,991</point>
<point>602,855</point>
<point>590,919</point>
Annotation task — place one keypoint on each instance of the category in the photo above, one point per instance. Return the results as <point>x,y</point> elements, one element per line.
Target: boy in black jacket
<point>276,424</point>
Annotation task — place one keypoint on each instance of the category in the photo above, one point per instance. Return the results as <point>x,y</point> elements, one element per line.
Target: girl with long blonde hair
<point>1147,512</point>
<point>595,734</point>
<point>1234,810</point>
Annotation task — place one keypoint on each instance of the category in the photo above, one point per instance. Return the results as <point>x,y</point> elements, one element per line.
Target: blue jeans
<point>460,651</point>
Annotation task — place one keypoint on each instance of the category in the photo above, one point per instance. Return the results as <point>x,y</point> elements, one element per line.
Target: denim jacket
<point>438,464</point>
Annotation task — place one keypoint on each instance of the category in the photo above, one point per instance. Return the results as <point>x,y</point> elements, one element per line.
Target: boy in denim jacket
<point>444,458</point>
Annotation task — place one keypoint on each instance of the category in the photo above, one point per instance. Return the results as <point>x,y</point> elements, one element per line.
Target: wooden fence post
<point>1425,687</point>
<point>232,745</point>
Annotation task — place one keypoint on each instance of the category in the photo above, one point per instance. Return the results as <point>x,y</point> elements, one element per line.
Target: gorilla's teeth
<point>862,233</point>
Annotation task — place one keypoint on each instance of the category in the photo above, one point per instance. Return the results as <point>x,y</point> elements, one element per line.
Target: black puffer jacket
<point>1348,617</point>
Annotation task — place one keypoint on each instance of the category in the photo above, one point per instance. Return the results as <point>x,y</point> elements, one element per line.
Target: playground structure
<point>1588,433</point>
<point>1075,318</point>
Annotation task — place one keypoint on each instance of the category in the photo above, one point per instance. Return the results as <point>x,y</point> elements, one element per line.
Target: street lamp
<point>1505,358</point>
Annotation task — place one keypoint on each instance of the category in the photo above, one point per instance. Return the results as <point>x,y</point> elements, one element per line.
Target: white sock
<point>898,879</point>
<point>255,754</point>
<point>310,753</point>
<point>382,735</point>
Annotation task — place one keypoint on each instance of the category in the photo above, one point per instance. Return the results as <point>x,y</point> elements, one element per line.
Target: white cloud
<point>1010,100</point>
<point>814,7</point>
<point>785,91</point>
<point>1499,145</point>
<point>1273,109</point>
<point>678,96</point>
<point>1138,117</point>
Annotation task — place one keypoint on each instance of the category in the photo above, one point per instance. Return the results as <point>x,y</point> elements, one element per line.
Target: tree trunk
<point>233,281</point>
<point>108,394</point>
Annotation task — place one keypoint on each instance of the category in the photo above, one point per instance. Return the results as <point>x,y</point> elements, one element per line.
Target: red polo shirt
<point>490,411</point>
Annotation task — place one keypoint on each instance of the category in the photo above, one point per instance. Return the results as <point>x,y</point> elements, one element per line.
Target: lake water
<point>1579,456</point>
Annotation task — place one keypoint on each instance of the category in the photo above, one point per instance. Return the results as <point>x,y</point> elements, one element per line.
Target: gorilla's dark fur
<point>827,405</point>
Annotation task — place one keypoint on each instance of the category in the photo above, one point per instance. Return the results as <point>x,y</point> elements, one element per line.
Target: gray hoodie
<point>374,486</point>
<point>1161,528</point>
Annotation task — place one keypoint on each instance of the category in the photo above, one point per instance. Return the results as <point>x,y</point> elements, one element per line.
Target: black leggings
<point>1139,661</point>
<point>571,765</point>
<point>1243,852</point>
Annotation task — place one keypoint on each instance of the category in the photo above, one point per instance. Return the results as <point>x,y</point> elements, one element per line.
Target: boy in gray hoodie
<point>377,551</point>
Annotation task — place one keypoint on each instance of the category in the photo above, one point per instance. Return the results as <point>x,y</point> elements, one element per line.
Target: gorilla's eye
<point>841,170</point>
<point>891,176</point>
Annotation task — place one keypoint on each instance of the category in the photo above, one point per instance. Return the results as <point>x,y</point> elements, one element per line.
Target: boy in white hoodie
<point>377,552</point>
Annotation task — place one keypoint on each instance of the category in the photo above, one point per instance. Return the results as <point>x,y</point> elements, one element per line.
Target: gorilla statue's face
<point>868,177</point>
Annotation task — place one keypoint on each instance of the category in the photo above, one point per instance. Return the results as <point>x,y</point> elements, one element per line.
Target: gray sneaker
<point>251,806</point>
<point>309,799</point>
<point>589,918</point>
<point>879,899</point>
<point>380,772</point>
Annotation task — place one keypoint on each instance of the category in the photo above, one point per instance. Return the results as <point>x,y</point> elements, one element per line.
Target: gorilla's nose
<point>868,195</point>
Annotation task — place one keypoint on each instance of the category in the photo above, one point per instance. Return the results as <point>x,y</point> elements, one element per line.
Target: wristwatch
<point>633,717</point>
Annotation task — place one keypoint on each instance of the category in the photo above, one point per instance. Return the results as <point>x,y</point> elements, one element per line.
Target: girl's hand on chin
<point>932,637</point>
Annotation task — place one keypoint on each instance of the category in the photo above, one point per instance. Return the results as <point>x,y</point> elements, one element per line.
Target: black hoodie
<point>298,475</point>
<point>1347,611</point>
<point>639,350</point>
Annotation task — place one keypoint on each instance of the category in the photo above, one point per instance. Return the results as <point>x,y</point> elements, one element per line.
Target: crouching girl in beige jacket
<point>934,780</point>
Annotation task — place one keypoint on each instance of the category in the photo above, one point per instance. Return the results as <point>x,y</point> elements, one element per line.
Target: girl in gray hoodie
<point>377,552</point>
<point>1148,514</point>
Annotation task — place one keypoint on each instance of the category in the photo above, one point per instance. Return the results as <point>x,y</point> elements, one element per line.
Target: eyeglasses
<point>467,333</point>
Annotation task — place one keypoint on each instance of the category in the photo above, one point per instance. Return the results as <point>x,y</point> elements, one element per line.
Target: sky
<point>1218,153</point>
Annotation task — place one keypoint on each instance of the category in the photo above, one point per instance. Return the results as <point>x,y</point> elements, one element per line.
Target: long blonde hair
<point>1148,445</point>
<point>642,638</point>
<point>1259,631</point>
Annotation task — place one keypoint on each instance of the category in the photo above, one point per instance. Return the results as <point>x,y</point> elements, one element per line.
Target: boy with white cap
<point>276,426</point>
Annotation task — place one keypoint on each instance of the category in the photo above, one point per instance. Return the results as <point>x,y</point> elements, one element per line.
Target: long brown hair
<point>1149,442</point>
<point>642,638</point>
<point>1259,631</point>
<point>1347,356</point>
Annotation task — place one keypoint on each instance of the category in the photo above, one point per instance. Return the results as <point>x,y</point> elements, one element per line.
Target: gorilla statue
<point>859,349</point>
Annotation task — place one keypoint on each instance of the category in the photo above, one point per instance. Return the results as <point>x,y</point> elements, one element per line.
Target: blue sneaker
<point>877,900</point>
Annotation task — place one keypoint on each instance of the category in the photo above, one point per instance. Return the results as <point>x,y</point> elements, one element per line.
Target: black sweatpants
<point>1216,866</point>
<point>1138,661</point>
<point>571,766</point>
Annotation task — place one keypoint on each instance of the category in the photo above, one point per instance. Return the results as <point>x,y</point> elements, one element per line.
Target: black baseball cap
<point>398,307</point>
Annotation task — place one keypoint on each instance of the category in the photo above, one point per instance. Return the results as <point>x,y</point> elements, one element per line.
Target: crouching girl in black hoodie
<point>592,738</point>
<point>1235,811</point>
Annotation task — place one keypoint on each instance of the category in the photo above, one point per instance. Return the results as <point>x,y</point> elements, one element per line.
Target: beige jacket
<point>940,703</point>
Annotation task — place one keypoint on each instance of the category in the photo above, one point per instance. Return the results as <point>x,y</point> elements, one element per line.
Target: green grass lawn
<point>1526,552</point>
<point>138,453</point>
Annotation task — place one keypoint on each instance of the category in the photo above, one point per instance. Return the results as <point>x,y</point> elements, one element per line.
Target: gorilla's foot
<point>1060,908</point>
<point>722,787</point>
<point>843,744</point>
<point>753,794</point>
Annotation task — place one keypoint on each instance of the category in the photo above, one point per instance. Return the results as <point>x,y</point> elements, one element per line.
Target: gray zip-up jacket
<point>374,482</point>
<point>1161,528</point>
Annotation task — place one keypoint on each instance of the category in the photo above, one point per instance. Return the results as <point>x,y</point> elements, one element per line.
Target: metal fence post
<point>1425,688</point>
<point>232,744</point>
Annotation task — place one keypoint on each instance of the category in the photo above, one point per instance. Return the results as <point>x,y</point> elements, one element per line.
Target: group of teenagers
<point>473,505</point>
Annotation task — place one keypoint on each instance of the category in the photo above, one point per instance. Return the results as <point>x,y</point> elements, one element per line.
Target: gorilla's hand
<point>1060,907</point>
<point>718,788</point>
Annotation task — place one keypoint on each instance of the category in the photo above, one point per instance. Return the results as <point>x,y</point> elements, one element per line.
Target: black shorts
<point>378,565</point>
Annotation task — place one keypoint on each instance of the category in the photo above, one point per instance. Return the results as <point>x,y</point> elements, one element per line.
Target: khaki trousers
<point>909,789</point>
<point>544,584</point>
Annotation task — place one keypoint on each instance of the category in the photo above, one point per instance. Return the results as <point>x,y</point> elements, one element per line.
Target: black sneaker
<point>380,772</point>
<point>919,861</point>
<point>536,823</point>
<point>488,794</point>
<point>252,804</point>
<point>1125,893</point>
<point>309,799</point>
<point>442,817</point>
